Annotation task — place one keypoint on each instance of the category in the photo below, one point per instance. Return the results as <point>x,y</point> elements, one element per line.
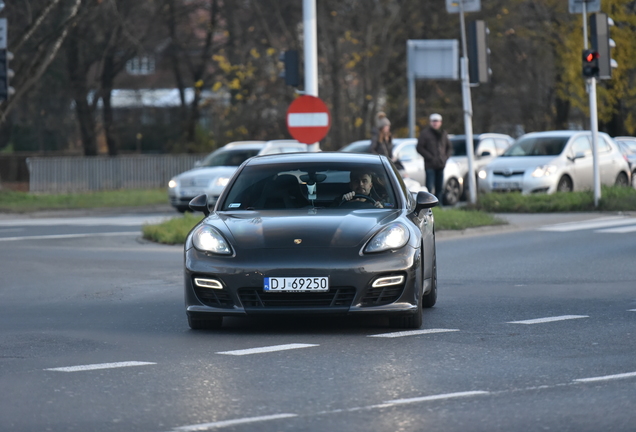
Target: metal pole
<point>410,77</point>
<point>468,109</point>
<point>311,53</point>
<point>594,128</point>
<point>311,50</point>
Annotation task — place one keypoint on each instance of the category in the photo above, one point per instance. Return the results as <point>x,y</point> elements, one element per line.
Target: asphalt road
<point>535,329</point>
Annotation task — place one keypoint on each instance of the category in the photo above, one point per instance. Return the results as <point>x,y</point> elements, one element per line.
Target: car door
<point>412,161</point>
<point>608,161</point>
<point>579,162</point>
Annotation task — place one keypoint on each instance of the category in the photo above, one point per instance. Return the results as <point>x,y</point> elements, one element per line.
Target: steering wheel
<point>366,197</point>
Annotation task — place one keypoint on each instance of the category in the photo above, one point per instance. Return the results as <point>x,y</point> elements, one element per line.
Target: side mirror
<point>425,200</point>
<point>200,203</point>
<point>577,155</point>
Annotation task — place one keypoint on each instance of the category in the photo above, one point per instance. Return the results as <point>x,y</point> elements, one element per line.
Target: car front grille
<point>335,297</point>
<point>382,295</point>
<point>508,173</point>
<point>214,297</point>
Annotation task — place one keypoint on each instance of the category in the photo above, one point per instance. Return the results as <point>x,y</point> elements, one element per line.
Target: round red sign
<point>308,119</point>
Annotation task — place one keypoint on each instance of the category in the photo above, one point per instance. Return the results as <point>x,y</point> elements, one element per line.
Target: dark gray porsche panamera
<point>321,233</point>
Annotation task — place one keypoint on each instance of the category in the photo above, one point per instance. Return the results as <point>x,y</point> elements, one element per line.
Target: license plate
<point>506,185</point>
<point>296,284</point>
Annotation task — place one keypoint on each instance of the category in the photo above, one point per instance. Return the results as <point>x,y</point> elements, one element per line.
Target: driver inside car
<point>361,183</point>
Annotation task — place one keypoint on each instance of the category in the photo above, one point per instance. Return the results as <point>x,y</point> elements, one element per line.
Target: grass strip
<point>172,231</point>
<point>460,219</point>
<point>23,202</point>
<point>612,199</point>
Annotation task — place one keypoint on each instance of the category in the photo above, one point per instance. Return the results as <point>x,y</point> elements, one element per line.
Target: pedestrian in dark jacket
<point>435,147</point>
<point>381,139</point>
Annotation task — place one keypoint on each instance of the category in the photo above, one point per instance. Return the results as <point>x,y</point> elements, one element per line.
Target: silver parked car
<point>546,162</point>
<point>627,146</point>
<point>486,146</point>
<point>404,150</point>
<point>211,175</point>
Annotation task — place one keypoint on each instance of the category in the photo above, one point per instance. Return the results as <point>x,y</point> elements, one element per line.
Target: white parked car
<point>547,162</point>
<point>404,150</point>
<point>211,175</point>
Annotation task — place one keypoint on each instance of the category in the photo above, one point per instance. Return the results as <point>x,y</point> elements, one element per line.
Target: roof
<point>315,157</point>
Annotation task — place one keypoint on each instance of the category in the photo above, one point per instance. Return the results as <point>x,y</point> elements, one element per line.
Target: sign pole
<point>311,53</point>
<point>468,109</point>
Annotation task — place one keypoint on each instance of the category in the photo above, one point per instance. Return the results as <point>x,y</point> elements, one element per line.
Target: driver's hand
<point>378,204</point>
<point>348,196</point>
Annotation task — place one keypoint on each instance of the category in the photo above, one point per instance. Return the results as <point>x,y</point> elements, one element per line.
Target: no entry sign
<point>308,119</point>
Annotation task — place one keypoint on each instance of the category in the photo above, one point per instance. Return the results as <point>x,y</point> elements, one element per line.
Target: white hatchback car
<point>211,175</point>
<point>547,162</point>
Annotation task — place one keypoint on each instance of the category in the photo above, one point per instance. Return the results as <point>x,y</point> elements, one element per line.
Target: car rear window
<point>537,146</point>
<point>459,145</point>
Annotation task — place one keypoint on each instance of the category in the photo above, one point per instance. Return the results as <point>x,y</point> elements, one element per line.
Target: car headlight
<point>172,183</point>
<point>393,236</point>
<point>208,239</point>
<point>222,181</point>
<point>482,174</point>
<point>544,171</point>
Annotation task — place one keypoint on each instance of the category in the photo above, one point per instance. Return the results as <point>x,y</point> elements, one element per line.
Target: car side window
<point>604,146</point>
<point>487,145</point>
<point>502,145</point>
<point>408,153</point>
<point>581,145</point>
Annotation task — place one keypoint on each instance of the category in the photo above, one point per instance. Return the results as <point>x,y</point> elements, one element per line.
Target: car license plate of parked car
<point>506,185</point>
<point>296,284</point>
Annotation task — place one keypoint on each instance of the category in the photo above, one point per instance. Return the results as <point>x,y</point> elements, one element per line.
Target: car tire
<point>565,184</point>
<point>452,192</point>
<point>634,179</point>
<point>205,324</point>
<point>429,300</point>
<point>621,180</point>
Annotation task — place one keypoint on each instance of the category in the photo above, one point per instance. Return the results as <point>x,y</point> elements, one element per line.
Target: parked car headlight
<point>482,174</point>
<point>172,183</point>
<point>393,236</point>
<point>208,239</point>
<point>544,171</point>
<point>222,181</point>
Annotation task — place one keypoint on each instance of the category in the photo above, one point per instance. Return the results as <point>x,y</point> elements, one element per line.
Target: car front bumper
<point>350,278</point>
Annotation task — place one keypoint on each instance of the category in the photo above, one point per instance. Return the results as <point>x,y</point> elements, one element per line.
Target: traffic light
<point>601,43</point>
<point>478,53</point>
<point>290,73</point>
<point>590,64</point>
<point>5,73</point>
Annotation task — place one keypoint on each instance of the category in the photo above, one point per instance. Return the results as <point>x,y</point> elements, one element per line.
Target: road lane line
<point>621,230</point>
<point>412,333</point>
<point>67,236</point>
<point>437,397</point>
<point>267,349</point>
<point>549,319</point>
<point>225,423</point>
<point>100,366</point>
<point>607,377</point>
<point>632,310</point>
<point>591,224</point>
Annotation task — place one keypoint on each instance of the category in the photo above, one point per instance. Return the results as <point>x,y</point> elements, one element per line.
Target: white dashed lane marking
<point>267,349</point>
<point>225,423</point>
<point>412,333</point>
<point>68,236</point>
<point>100,366</point>
<point>607,377</point>
<point>597,224</point>
<point>549,319</point>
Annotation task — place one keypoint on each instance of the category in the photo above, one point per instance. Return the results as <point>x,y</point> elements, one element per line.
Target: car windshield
<point>459,145</point>
<point>233,157</point>
<point>537,146</point>
<point>310,185</point>
<point>357,147</point>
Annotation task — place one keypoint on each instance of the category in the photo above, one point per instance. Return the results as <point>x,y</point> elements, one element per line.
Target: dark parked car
<point>627,146</point>
<point>282,239</point>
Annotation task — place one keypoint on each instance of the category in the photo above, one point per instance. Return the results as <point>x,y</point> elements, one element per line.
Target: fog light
<point>387,281</point>
<point>208,283</point>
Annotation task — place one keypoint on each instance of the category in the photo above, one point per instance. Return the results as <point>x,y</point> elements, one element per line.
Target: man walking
<point>435,147</point>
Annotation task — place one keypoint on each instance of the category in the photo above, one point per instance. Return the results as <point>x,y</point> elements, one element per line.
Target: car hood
<point>300,229</point>
<point>518,163</point>
<point>203,176</point>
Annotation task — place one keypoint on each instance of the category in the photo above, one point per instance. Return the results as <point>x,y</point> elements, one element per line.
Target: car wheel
<point>429,300</point>
<point>565,184</point>
<point>621,180</point>
<point>205,324</point>
<point>452,192</point>
<point>634,179</point>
